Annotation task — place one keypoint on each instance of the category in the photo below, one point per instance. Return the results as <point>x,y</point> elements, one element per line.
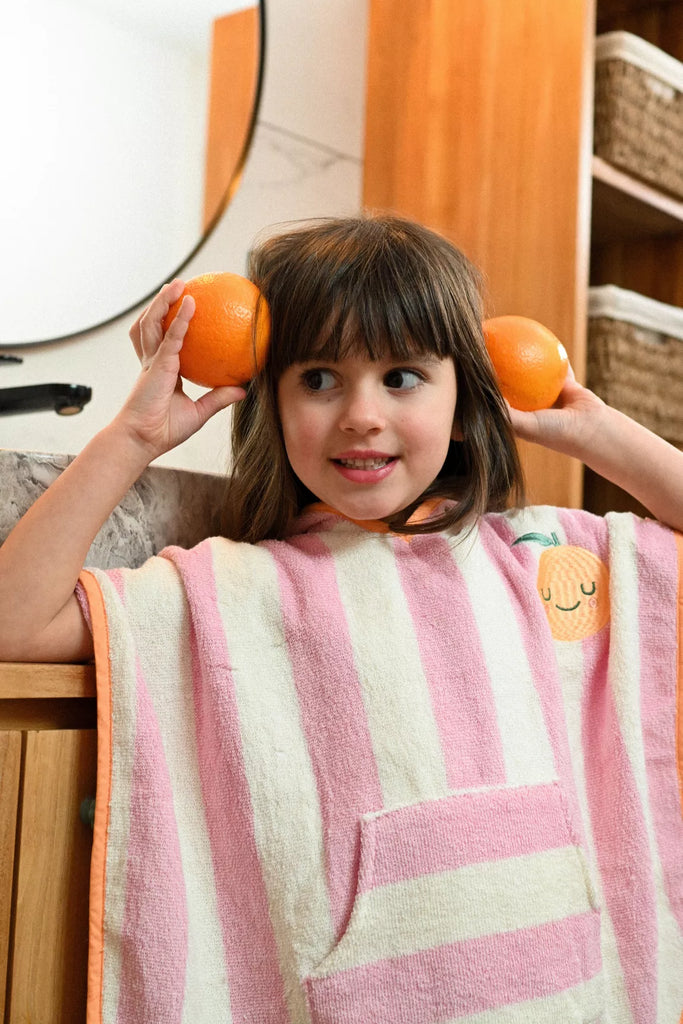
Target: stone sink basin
<point>165,506</point>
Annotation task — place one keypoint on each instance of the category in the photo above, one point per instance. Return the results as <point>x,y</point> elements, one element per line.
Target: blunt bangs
<point>371,286</point>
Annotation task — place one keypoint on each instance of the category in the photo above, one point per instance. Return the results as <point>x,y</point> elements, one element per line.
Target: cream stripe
<point>570,661</point>
<point>287,819</point>
<point>467,903</point>
<point>527,750</point>
<point>404,734</point>
<point>586,999</point>
<point>122,657</point>
<point>624,674</point>
<point>207,995</point>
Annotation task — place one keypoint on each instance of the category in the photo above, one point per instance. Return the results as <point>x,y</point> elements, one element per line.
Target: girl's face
<point>368,437</point>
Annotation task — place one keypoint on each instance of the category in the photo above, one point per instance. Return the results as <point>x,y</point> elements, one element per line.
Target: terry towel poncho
<point>350,778</point>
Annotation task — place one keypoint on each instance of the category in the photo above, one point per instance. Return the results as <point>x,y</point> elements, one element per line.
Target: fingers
<point>523,423</point>
<point>178,326</point>
<point>147,331</point>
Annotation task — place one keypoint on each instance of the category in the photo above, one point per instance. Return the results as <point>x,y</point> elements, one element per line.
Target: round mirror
<point>126,124</point>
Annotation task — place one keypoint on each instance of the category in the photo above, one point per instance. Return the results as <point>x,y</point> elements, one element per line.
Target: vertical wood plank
<point>49,965</point>
<point>10,774</point>
<point>479,124</point>
<point>232,95</point>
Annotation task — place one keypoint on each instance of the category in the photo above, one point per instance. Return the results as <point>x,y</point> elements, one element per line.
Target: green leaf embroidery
<point>539,538</point>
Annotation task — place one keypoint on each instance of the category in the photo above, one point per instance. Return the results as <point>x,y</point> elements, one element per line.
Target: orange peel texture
<point>227,338</point>
<point>530,362</point>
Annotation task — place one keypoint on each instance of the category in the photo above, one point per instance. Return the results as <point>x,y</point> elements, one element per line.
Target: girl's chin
<point>364,503</point>
<point>365,511</point>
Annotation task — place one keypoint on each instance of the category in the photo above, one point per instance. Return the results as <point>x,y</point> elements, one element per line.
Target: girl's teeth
<point>364,463</point>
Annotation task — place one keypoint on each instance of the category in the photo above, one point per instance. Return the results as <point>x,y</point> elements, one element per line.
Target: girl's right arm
<point>40,561</point>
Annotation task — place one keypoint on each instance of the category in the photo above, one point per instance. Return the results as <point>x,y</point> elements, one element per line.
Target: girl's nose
<point>362,412</point>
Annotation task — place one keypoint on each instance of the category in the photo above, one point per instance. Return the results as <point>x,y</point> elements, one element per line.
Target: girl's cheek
<point>304,432</point>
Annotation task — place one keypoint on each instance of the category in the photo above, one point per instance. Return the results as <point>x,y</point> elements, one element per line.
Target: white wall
<point>305,162</point>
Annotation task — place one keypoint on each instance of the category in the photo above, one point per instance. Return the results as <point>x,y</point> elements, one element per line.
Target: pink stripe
<point>256,986</point>
<point>154,933</point>
<point>620,835</point>
<point>659,648</point>
<point>453,661</point>
<point>463,978</point>
<point>331,707</point>
<point>617,818</point>
<point>466,828</point>
<point>116,577</point>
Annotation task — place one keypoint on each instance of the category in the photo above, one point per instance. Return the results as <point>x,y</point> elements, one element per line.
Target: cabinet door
<point>10,771</point>
<point>48,971</point>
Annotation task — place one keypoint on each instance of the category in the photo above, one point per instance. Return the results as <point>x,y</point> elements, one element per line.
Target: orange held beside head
<point>227,338</point>
<point>530,362</point>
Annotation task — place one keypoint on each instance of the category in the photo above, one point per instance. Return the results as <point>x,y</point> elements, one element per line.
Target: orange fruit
<point>530,362</point>
<point>227,338</point>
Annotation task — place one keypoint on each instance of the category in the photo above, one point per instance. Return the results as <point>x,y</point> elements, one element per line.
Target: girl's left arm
<point>611,444</point>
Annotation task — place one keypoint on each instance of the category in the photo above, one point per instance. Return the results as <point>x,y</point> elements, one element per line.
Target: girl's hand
<point>157,412</point>
<point>613,445</point>
<point>571,426</point>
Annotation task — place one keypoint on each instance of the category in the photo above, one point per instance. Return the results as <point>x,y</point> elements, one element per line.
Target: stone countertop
<point>165,506</point>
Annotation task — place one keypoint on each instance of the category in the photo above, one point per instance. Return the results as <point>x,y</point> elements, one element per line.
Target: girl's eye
<point>318,380</point>
<point>403,380</point>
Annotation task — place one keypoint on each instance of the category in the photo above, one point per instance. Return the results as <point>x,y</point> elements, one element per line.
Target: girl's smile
<point>365,466</point>
<point>368,437</point>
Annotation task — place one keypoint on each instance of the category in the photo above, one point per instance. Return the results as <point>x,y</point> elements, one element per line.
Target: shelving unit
<point>479,123</point>
<point>624,208</point>
<point>636,230</point>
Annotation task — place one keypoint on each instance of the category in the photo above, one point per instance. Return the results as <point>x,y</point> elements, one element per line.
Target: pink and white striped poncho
<point>349,778</point>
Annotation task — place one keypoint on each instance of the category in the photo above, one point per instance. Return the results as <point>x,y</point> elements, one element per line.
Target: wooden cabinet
<point>47,768</point>
<point>479,123</point>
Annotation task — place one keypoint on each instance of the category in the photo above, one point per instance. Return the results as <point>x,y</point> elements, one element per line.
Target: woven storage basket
<point>639,110</point>
<point>635,358</point>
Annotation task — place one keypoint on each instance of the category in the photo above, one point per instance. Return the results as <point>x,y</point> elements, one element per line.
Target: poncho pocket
<point>479,902</point>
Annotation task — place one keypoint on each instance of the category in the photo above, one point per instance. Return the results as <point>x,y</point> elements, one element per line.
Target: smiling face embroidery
<point>574,586</point>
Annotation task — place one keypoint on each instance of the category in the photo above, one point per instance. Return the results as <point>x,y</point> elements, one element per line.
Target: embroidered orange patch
<point>574,586</point>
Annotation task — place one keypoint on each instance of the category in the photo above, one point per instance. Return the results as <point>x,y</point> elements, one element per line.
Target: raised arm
<point>613,445</point>
<point>40,618</point>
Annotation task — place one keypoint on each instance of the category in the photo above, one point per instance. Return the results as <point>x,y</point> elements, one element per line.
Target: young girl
<point>386,752</point>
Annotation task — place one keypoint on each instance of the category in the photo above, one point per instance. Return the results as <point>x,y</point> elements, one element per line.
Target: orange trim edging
<point>98,864</point>
<point>679,685</point>
<point>377,525</point>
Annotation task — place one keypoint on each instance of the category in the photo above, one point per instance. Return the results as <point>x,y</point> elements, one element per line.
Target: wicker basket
<point>639,110</point>
<point>635,358</point>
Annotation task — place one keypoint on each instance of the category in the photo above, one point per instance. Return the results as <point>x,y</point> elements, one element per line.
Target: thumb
<point>218,398</point>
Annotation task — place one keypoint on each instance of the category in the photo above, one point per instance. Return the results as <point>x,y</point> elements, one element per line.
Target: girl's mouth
<point>365,471</point>
<point>375,463</point>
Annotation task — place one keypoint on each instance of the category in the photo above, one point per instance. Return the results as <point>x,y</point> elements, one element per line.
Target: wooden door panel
<point>49,963</point>
<point>10,773</point>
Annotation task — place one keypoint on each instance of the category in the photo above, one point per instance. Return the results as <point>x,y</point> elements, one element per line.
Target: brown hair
<point>376,284</point>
